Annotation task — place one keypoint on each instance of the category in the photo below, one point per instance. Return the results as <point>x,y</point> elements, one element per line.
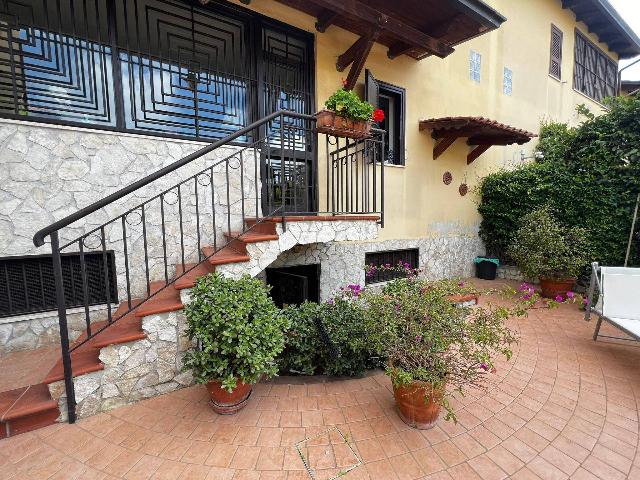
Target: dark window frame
<point>256,24</point>
<point>391,257</point>
<point>398,92</point>
<point>557,59</point>
<point>580,70</point>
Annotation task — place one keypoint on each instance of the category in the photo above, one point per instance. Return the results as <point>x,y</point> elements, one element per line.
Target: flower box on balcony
<point>333,124</point>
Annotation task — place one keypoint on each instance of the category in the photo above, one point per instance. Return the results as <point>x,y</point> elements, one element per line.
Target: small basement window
<point>27,284</point>
<point>390,257</point>
<point>294,285</point>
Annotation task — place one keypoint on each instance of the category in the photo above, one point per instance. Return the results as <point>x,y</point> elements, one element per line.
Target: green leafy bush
<point>239,330</point>
<point>345,347</point>
<point>543,248</point>
<point>429,338</point>
<point>346,103</point>
<point>590,176</point>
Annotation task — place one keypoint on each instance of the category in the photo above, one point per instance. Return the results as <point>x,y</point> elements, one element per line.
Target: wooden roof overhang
<point>480,132</point>
<point>416,28</point>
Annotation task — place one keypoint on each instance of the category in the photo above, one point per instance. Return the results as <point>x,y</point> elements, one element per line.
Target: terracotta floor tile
<point>406,467</point>
<point>370,450</point>
<point>486,468</point>
<point>270,458</point>
<point>429,460</point>
<point>245,458</point>
<point>506,460</point>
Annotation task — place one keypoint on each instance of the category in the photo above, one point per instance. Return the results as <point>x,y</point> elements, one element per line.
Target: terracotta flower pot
<point>226,403</point>
<point>551,288</point>
<point>332,124</point>
<point>414,408</point>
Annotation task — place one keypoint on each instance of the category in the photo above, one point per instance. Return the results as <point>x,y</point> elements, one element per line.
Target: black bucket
<point>486,270</point>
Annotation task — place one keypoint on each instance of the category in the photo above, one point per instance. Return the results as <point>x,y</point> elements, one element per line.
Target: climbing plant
<point>589,176</point>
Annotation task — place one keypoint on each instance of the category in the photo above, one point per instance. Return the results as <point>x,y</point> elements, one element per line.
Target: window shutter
<point>555,64</point>
<point>371,89</point>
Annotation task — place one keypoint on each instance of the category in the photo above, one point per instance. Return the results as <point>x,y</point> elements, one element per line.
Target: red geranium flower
<point>378,115</point>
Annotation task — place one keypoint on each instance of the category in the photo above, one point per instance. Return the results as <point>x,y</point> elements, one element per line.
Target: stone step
<point>26,409</point>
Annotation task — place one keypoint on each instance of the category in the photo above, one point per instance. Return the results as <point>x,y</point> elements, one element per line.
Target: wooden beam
<point>359,61</point>
<point>361,11</point>
<point>397,49</point>
<point>350,55</point>
<point>442,145</point>
<point>476,152</point>
<point>325,19</point>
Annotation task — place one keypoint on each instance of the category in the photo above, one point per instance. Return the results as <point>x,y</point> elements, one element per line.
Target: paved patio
<point>563,407</point>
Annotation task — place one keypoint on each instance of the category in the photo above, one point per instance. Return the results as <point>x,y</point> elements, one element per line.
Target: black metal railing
<point>162,237</point>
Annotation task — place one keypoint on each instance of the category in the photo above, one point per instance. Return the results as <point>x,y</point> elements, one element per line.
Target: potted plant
<point>435,346</point>
<point>239,333</point>
<point>543,248</point>
<point>347,116</point>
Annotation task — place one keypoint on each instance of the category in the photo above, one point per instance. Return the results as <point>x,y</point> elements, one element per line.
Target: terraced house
<point>144,143</point>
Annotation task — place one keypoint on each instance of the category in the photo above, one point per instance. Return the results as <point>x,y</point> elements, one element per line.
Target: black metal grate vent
<point>392,258</point>
<point>27,284</point>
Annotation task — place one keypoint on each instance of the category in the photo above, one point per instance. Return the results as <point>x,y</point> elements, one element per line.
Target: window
<point>475,65</point>
<point>594,73</point>
<point>164,67</point>
<point>27,284</point>
<point>390,257</point>
<point>507,81</point>
<point>391,99</point>
<point>555,60</point>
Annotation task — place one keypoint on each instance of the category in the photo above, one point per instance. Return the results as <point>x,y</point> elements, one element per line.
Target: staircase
<point>33,407</point>
<point>135,352</point>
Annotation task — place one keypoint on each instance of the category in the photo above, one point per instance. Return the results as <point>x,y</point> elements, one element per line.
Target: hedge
<point>590,176</point>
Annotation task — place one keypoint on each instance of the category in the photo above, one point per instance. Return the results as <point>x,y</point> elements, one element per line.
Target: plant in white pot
<point>239,333</point>
<point>543,248</point>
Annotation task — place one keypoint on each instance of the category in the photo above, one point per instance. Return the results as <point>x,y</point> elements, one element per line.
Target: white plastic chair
<point>618,299</point>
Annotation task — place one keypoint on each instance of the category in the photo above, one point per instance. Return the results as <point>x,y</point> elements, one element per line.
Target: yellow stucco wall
<point>418,204</point>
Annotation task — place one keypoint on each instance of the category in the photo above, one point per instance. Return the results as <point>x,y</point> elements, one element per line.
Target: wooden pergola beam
<point>442,145</point>
<point>325,19</point>
<point>403,32</point>
<point>476,152</point>
<point>357,55</point>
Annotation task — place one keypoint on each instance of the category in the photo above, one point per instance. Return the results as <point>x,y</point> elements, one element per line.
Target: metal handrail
<point>40,235</point>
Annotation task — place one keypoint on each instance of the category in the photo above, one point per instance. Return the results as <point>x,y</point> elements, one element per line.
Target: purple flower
<point>330,301</point>
<point>397,307</point>
<point>585,301</point>
<point>355,289</point>
<point>559,298</point>
<point>570,295</point>
<point>387,265</point>
<point>525,287</point>
<point>418,338</point>
<point>461,284</point>
<point>527,296</point>
<point>484,367</point>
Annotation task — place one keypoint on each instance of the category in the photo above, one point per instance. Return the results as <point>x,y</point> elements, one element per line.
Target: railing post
<point>62,321</point>
<point>382,185</point>
<point>283,182</point>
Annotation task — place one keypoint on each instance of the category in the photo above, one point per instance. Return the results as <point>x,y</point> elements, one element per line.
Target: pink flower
<point>585,301</point>
<point>461,284</point>
<point>484,367</point>
<point>418,338</point>
<point>559,298</point>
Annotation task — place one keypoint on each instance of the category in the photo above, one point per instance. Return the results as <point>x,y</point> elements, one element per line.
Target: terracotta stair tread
<point>225,255</point>
<point>189,279</point>
<point>312,218</point>
<point>8,398</point>
<point>253,236</point>
<point>34,399</point>
<point>168,300</point>
<point>84,360</point>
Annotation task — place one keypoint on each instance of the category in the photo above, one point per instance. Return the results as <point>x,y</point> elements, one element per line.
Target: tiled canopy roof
<point>479,131</point>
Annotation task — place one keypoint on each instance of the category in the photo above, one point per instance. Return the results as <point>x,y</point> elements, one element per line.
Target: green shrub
<point>543,248</point>
<point>345,347</point>
<point>302,342</point>
<point>238,327</point>
<point>590,176</point>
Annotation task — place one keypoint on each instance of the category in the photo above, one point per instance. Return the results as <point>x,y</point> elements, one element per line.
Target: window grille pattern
<point>555,62</point>
<point>27,284</point>
<point>507,81</point>
<point>165,67</point>
<point>475,65</point>
<point>391,258</point>
<point>595,74</point>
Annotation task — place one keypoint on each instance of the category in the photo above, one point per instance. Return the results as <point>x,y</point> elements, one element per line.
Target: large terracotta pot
<point>413,406</point>
<point>330,123</point>
<point>551,288</point>
<point>226,403</point>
